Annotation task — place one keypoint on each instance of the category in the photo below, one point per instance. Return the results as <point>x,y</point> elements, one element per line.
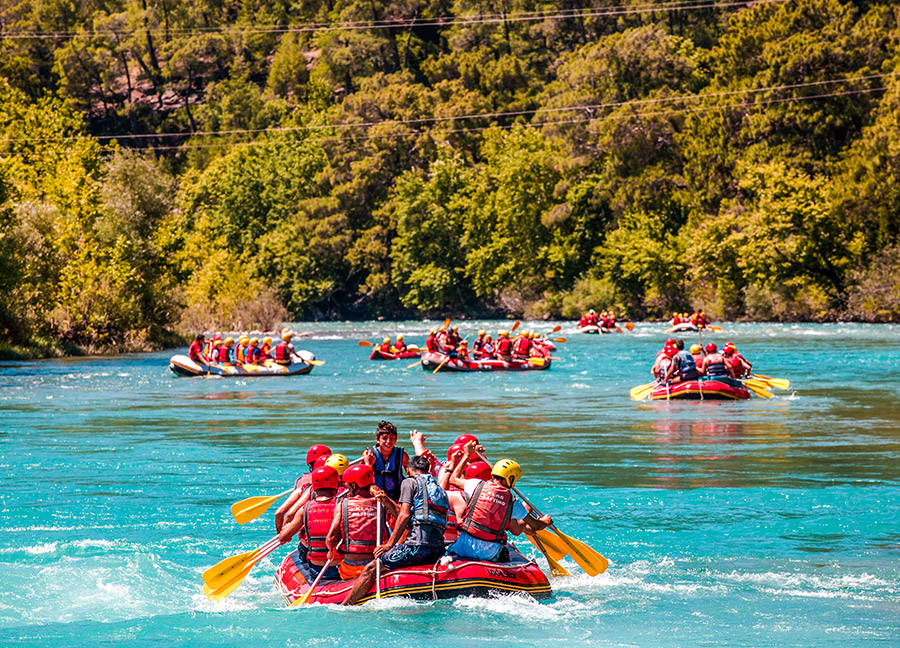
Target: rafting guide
<point>356,542</point>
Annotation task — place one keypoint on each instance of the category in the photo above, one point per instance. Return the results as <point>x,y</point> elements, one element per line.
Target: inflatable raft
<point>701,390</point>
<point>411,352</point>
<point>431,582</point>
<point>184,366</point>
<point>594,330</point>
<point>430,362</point>
<point>681,328</point>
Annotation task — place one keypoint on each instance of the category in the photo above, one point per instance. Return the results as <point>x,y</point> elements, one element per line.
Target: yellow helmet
<point>254,341</point>
<point>509,470</point>
<point>243,339</point>
<point>386,340</point>
<point>339,462</point>
<point>399,337</point>
<point>455,328</point>
<point>228,341</point>
<point>503,333</point>
<point>480,332</point>
<point>267,340</point>
<point>433,331</point>
<point>287,336</point>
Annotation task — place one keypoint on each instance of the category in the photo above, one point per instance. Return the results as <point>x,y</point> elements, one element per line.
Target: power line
<point>401,23</point>
<point>471,116</point>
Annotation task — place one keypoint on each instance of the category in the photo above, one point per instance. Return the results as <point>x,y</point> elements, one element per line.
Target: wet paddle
<point>252,507</point>
<point>537,362</point>
<point>629,326</point>
<point>443,362</point>
<point>414,364</point>
<point>778,383</point>
<point>515,326</point>
<point>303,600</point>
<point>559,339</point>
<point>642,391</point>
<point>234,569</point>
<point>377,543</point>
<point>556,328</point>
<point>365,343</point>
<point>757,387</point>
<point>555,568</point>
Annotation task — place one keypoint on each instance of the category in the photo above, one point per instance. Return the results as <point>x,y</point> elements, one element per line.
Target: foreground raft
<point>701,390</point>
<point>182,365</point>
<point>431,361</point>
<point>430,582</point>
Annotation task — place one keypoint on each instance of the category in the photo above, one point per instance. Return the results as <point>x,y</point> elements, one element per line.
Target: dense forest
<point>173,166</point>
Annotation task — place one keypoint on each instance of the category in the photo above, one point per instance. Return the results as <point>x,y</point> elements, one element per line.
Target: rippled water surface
<point>758,523</point>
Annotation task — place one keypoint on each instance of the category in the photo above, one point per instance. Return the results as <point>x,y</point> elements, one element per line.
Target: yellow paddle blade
<point>757,388</point>
<point>716,329</point>
<point>223,572</point>
<point>252,507</point>
<point>445,324</point>
<point>559,339</point>
<point>553,546</point>
<point>778,383</point>
<point>224,590</point>
<point>555,568</point>
<point>414,364</point>
<point>316,363</point>
<point>592,562</point>
<point>642,391</point>
<point>629,326</point>
<point>538,362</point>
<point>365,343</point>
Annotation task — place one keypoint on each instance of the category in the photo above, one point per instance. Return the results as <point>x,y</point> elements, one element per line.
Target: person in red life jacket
<point>302,483</point>
<point>487,347</point>
<point>265,350</point>
<point>431,341</point>
<point>702,320</point>
<point>385,347</point>
<point>355,524</point>
<point>209,352</point>
<point>462,351</point>
<point>223,351</point>
<point>492,510</point>
<point>682,368</point>
<point>592,318</point>
<point>422,510</point>
<point>697,352</point>
<point>387,459</point>
<point>253,352</point>
<point>661,356</point>
<point>478,345</point>
<point>582,322</point>
<point>457,496</point>
<point>504,347</point>
<point>739,364</point>
<point>522,347</point>
<point>314,524</point>
<point>284,350</point>
<point>195,352</point>
<point>676,319</point>
<point>306,491</point>
<point>399,345</point>
<point>714,365</point>
<point>454,336</point>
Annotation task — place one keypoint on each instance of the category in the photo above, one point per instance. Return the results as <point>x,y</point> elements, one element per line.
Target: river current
<point>769,522</point>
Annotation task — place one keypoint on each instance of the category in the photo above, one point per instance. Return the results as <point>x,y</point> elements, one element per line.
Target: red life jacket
<point>385,347</point>
<point>399,346</point>
<point>265,352</point>
<point>302,481</point>
<point>252,355</point>
<point>523,345</point>
<point>504,346</point>
<point>430,343</point>
<point>195,353</point>
<point>359,524</point>
<point>222,354</point>
<point>488,513</point>
<point>317,518</point>
<point>283,353</point>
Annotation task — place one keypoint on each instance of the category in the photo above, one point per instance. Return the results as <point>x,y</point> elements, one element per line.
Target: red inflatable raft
<point>411,352</point>
<point>701,390</point>
<point>431,582</point>
<point>431,361</point>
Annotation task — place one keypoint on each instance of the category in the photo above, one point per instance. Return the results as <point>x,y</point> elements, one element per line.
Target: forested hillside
<point>171,165</point>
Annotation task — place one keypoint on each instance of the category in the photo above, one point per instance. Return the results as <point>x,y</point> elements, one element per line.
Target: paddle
<point>515,326</point>
<point>537,362</point>
<point>443,362</point>
<point>556,328</point>
<point>559,339</point>
<point>378,543</point>
<point>629,326</point>
<point>225,572</point>
<point>445,324</point>
<point>642,391</point>
<point>252,507</point>
<point>716,329</point>
<point>555,568</point>
<point>552,545</point>
<point>417,362</point>
<point>757,388</point>
<point>365,343</point>
<point>590,560</point>
<point>306,596</point>
<point>778,383</point>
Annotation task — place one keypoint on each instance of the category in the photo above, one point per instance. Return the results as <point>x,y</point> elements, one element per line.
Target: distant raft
<point>182,365</point>
<point>684,326</point>
<point>593,329</point>
<point>431,361</point>
<point>701,390</point>
<point>411,352</point>
<point>441,581</point>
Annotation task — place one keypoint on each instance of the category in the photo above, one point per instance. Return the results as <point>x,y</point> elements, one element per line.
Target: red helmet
<point>454,448</point>
<point>670,351</point>
<point>315,452</point>
<point>325,477</point>
<point>478,470</point>
<point>728,348</point>
<point>670,342</point>
<point>463,439</point>
<point>361,475</point>
<point>711,347</point>
<point>320,461</point>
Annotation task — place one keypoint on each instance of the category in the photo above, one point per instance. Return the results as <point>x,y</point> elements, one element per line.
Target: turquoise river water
<point>757,523</point>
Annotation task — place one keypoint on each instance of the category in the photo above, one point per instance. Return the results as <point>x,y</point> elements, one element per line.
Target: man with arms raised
<point>386,459</point>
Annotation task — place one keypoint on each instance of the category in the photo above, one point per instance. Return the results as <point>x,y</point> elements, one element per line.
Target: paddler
<point>522,347</point>
<point>210,351</point>
<point>385,347</point>
<point>478,345</point>
<point>714,365</point>
<point>240,351</point>
<point>302,483</point>
<point>284,351</point>
<point>386,459</point>
<point>314,524</point>
<point>682,368</point>
<point>697,353</point>
<point>504,347</point>
<point>739,364</point>
<point>487,347</point>
<point>265,351</point>
<point>431,341</point>
<point>223,351</point>
<point>661,356</point>
<point>253,352</point>
<point>399,345</point>
<point>453,336</point>
<point>455,495</point>
<point>462,351</point>
<point>423,508</point>
<point>354,527</point>
<point>195,352</point>
<point>492,510</point>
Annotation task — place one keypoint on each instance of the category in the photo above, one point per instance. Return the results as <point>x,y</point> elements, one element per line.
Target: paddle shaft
<point>377,544</point>
<point>315,582</point>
